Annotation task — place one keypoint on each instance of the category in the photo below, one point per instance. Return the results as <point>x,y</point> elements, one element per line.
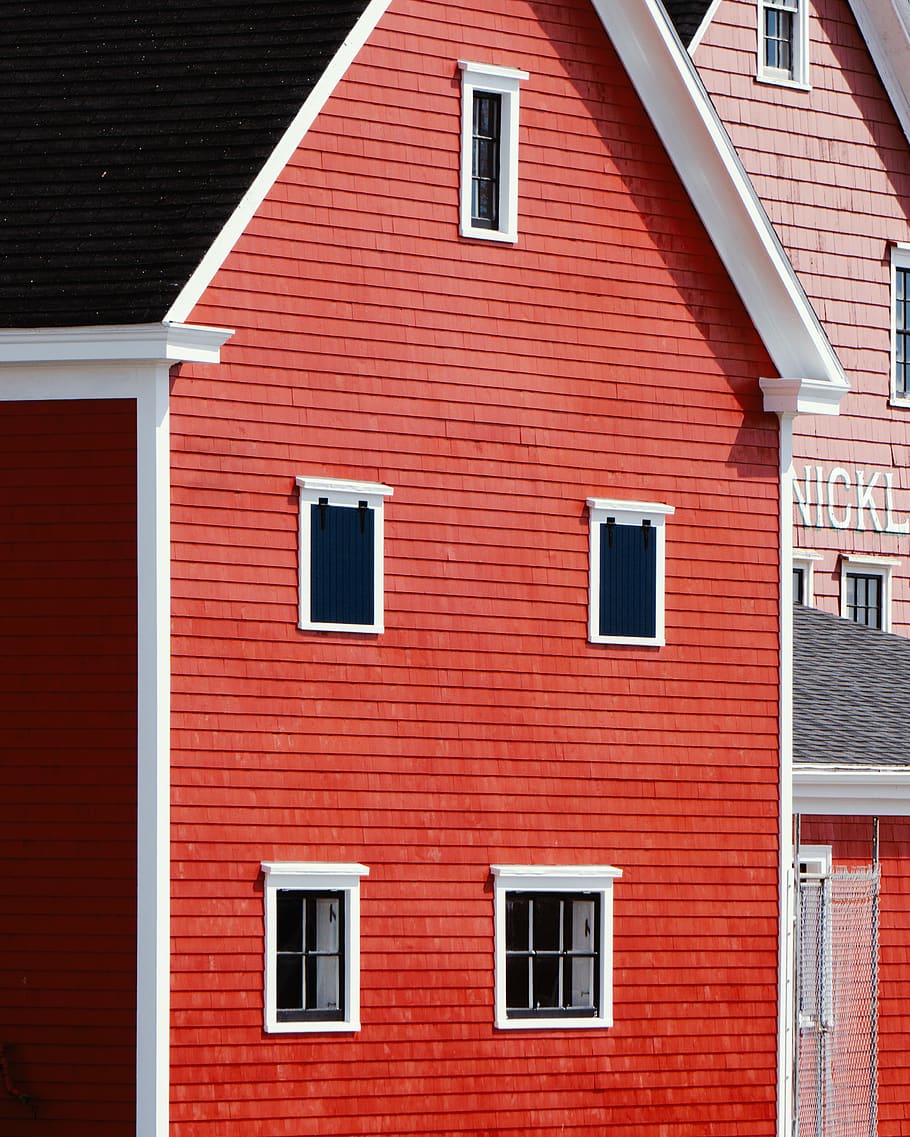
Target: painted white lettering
<point>819,497</point>
<point>839,474</point>
<point>804,502</point>
<point>892,525</point>
<point>865,500</point>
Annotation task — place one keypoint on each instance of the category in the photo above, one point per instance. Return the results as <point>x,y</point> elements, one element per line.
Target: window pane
<point>326,985</point>
<point>486,152</point>
<point>582,925</point>
<point>901,332</point>
<point>290,982</point>
<point>581,981</point>
<point>799,585</point>
<point>517,925</point>
<point>290,920</point>
<point>864,599</point>
<point>326,925</point>
<point>546,914</point>
<point>546,980</point>
<point>517,982</point>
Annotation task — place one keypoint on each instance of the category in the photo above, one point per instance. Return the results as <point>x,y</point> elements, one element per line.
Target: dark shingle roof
<point>687,16</point>
<point>850,687</point>
<point>130,129</point>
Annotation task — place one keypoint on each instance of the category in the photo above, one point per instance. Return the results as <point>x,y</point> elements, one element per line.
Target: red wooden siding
<point>850,839</point>
<point>495,388</point>
<point>68,767</point>
<point>832,167</point>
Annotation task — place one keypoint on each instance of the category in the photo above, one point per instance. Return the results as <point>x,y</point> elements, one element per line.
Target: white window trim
<point>806,560</point>
<point>347,494</point>
<point>554,878</point>
<point>814,865</point>
<point>504,81</point>
<point>900,258</point>
<point>626,513</point>
<point>800,77</point>
<point>872,566</point>
<point>310,877</point>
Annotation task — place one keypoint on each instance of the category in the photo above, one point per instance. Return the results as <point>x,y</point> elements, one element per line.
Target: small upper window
<point>489,151</point>
<point>866,590</point>
<point>783,41</point>
<point>341,555</point>
<point>900,326</point>
<point>312,938</point>
<point>553,945</point>
<point>804,576</point>
<point>626,603</point>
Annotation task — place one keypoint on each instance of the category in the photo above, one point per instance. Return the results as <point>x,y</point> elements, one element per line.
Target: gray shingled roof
<point>130,130</point>
<point>850,687</point>
<point>687,16</point>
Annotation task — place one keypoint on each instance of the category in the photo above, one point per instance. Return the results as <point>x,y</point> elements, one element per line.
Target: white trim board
<point>237,223</point>
<point>848,791</point>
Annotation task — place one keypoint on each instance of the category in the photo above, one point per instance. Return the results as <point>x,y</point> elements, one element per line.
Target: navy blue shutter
<point>342,569</point>
<point>628,580</point>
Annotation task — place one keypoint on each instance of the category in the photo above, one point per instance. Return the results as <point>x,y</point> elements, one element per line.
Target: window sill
<point>768,78</point>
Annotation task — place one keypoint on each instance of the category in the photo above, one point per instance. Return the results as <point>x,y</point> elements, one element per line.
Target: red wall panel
<point>68,767</point>
<point>495,389</point>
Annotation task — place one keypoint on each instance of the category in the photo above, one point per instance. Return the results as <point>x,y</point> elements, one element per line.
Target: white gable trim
<point>885,26</point>
<point>238,221</point>
<point>703,26</point>
<point>850,791</point>
<point>707,163</point>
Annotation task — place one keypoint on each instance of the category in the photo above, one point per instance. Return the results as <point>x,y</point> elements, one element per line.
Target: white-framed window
<point>341,554</point>
<point>814,977</point>
<point>553,945</point>
<point>865,590</point>
<point>900,325</point>
<point>489,151</point>
<point>783,42</point>
<point>804,561</point>
<point>626,558</point>
<point>312,946</point>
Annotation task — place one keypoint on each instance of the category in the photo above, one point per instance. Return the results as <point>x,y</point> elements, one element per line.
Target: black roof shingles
<point>130,131</point>
<point>850,688</point>
<point>686,16</point>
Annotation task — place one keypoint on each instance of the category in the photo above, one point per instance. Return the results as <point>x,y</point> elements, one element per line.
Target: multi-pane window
<point>341,555</point>
<point>310,972</point>
<point>554,945</point>
<point>312,946</point>
<point>486,160</point>
<point>627,542</point>
<point>489,151</point>
<point>900,325</point>
<point>865,598</point>
<point>552,954</point>
<point>782,40</point>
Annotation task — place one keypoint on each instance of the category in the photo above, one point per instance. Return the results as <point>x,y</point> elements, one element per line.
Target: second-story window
<point>783,41</point>
<point>486,160</point>
<point>900,326</point>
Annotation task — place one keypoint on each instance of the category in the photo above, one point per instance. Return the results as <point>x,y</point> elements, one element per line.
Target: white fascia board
<point>885,26</point>
<point>147,343</point>
<point>724,197</point>
<point>238,221</point>
<point>847,791</point>
<point>703,26</point>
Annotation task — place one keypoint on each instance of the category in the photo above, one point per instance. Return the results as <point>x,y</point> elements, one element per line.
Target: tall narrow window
<point>341,555</point>
<point>627,543</point>
<point>866,589</point>
<point>900,326</point>
<point>312,946</point>
<point>783,41</point>
<point>489,151</point>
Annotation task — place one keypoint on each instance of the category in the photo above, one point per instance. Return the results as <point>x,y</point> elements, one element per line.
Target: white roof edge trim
<point>165,342</point>
<point>846,791</point>
<point>555,876</point>
<point>884,26</point>
<point>703,26</point>
<point>340,486</point>
<point>236,224</point>
<point>802,396</point>
<point>707,163</point>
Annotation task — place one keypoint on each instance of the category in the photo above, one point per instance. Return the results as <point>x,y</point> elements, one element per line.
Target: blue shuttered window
<point>628,580</point>
<point>342,569</point>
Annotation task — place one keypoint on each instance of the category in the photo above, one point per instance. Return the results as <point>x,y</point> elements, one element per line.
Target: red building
<point>394,645</point>
<point>814,97</point>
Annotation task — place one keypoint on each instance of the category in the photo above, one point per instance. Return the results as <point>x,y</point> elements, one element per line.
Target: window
<point>341,555</point>
<point>554,936</point>
<point>626,603</point>
<point>312,946</point>
<point>866,590</point>
<point>489,151</point>
<point>804,576</point>
<point>813,970</point>
<point>900,325</point>
<point>783,41</point>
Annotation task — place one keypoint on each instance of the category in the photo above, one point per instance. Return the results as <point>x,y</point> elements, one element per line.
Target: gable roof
<point>687,16</point>
<point>849,693</point>
<point>129,132</point>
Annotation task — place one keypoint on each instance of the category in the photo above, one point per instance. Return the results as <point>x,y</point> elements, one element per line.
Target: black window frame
<point>858,608</point>
<point>309,954</point>
<point>486,159</point>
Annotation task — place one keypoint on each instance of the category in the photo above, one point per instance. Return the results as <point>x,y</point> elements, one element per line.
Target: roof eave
<point>883,25</point>
<point>851,791</point>
<point>164,342</point>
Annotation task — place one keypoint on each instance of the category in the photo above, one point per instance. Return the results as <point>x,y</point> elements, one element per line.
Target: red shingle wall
<point>68,768</point>
<point>832,167</point>
<point>495,388</point>
<point>850,839</point>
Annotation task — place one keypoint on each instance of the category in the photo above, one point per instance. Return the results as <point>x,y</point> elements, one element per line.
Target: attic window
<point>783,42</point>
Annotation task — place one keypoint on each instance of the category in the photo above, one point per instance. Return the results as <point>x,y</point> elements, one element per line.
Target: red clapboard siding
<point>68,767</point>
<point>496,389</point>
